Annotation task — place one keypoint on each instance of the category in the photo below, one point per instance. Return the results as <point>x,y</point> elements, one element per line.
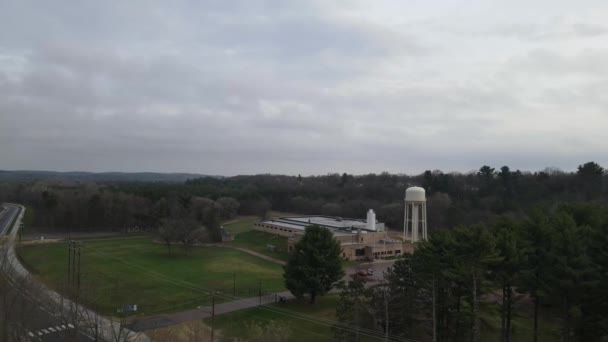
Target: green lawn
<point>28,217</point>
<point>303,328</point>
<point>234,325</point>
<point>241,224</point>
<point>521,321</point>
<point>258,241</point>
<point>137,271</point>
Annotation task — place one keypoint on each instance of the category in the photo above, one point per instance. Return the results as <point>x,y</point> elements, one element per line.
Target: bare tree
<point>229,206</point>
<point>168,232</point>
<point>189,232</point>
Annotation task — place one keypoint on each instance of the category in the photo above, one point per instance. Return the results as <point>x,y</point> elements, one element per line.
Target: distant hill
<point>29,176</point>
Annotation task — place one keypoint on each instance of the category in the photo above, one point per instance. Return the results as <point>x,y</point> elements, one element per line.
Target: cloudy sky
<point>310,87</point>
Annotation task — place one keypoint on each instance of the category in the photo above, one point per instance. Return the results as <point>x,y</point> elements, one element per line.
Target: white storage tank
<point>371,220</point>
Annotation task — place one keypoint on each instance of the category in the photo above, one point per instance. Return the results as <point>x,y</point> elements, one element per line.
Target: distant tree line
<point>453,198</point>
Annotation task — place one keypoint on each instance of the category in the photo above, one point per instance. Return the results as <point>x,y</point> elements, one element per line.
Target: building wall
<point>358,246</point>
<point>380,251</point>
<point>368,237</point>
<point>363,251</point>
<point>277,230</point>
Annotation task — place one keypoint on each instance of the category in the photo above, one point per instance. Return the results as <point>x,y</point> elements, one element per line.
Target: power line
<point>293,314</point>
<point>342,326</point>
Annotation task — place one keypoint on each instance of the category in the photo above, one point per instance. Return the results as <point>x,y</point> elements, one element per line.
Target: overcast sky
<point>311,87</point>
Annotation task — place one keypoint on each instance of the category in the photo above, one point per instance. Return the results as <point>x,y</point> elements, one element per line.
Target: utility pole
<point>357,320</point>
<point>434,312</point>
<point>74,275</point>
<point>386,314</point>
<point>73,262</point>
<point>78,278</point>
<point>260,292</point>
<point>69,261</point>
<point>212,315</point>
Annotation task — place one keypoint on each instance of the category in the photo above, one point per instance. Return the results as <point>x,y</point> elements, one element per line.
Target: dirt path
<point>248,251</point>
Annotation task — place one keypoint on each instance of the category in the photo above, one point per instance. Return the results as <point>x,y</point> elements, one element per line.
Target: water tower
<point>414,223</point>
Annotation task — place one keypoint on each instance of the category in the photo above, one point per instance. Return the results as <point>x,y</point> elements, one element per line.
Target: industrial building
<point>360,239</point>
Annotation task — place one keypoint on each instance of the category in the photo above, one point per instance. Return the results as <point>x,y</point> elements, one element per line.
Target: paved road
<point>40,314</point>
<point>378,268</point>
<point>6,216</point>
<point>203,312</point>
<point>37,323</point>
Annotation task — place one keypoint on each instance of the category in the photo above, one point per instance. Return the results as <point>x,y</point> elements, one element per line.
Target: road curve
<point>107,329</point>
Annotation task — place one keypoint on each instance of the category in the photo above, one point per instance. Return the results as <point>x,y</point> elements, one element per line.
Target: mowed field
<point>312,322</point>
<point>301,318</point>
<point>118,272</point>
<point>246,237</point>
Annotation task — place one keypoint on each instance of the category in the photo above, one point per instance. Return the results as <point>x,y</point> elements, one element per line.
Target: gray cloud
<point>300,87</point>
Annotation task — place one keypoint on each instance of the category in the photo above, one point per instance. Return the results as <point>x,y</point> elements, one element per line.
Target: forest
<point>454,199</point>
<point>551,262</point>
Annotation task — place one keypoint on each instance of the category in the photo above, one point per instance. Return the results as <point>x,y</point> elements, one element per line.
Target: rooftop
<point>335,223</point>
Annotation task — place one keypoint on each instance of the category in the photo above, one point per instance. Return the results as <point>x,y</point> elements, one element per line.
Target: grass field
<point>117,272</point>
<point>241,224</point>
<point>234,325</point>
<point>258,241</point>
<point>246,237</point>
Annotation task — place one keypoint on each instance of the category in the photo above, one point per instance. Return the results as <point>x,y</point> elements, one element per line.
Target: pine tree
<point>534,275</point>
<point>506,272</point>
<point>595,322</point>
<point>475,254</point>
<point>315,266</point>
<point>572,270</point>
<point>403,287</point>
<point>352,311</point>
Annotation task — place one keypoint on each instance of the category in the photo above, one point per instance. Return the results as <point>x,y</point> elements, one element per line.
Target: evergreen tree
<point>474,255</point>
<point>534,275</point>
<point>506,272</point>
<point>441,285</point>
<point>352,311</point>
<point>403,287</point>
<point>595,306</point>
<point>590,176</point>
<point>315,266</point>
<point>572,270</point>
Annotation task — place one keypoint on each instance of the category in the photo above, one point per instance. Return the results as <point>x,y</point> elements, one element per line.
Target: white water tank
<point>371,220</point>
<point>415,194</point>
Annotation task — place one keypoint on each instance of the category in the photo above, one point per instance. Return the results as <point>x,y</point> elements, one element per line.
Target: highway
<point>33,320</point>
<point>6,217</point>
